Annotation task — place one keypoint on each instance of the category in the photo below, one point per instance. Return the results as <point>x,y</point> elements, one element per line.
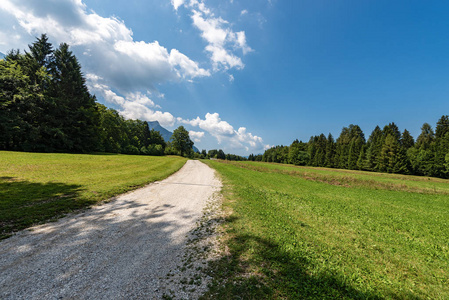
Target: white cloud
<point>125,72</point>
<point>243,12</point>
<point>188,67</point>
<point>196,135</point>
<point>106,45</point>
<point>225,133</point>
<point>221,40</point>
<point>177,3</point>
<point>231,78</point>
<point>133,105</point>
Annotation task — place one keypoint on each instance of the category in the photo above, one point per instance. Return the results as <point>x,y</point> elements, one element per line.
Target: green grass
<point>315,233</point>
<point>36,187</point>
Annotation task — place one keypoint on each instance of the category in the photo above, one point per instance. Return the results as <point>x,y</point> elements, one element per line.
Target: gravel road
<point>123,249</point>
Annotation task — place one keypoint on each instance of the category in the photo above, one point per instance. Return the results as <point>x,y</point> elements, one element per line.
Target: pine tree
<point>426,138</point>
<point>330,152</point>
<point>407,140</point>
<point>355,148</point>
<point>75,113</point>
<point>362,160</point>
<point>374,149</point>
<point>441,146</point>
<point>423,158</point>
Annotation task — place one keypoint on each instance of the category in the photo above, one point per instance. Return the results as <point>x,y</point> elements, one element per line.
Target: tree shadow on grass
<point>258,268</point>
<point>24,203</point>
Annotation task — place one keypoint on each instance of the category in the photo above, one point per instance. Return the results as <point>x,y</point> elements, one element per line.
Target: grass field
<point>315,233</point>
<point>36,187</point>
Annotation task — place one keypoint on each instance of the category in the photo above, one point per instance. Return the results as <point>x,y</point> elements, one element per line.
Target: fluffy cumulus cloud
<point>106,42</point>
<point>125,72</point>
<point>133,105</point>
<point>108,51</point>
<point>196,136</point>
<point>225,133</point>
<point>222,41</point>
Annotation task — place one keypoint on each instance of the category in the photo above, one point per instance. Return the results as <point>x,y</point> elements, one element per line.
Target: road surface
<point>119,250</point>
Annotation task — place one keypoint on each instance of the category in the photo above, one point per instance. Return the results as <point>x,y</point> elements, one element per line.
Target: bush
<point>130,149</point>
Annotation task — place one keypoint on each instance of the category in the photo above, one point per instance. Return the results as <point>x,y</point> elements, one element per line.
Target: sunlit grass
<point>323,233</point>
<point>36,187</point>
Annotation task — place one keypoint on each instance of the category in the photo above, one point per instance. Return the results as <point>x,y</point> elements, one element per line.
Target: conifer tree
<point>426,138</point>
<point>330,152</point>
<point>407,140</point>
<point>375,147</point>
<point>441,146</point>
<point>362,160</point>
<point>75,113</point>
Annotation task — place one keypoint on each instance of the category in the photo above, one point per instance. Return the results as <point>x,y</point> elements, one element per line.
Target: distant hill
<point>2,56</point>
<point>164,132</point>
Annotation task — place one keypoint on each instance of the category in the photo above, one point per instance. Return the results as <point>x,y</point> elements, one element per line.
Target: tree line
<point>385,150</point>
<point>45,106</point>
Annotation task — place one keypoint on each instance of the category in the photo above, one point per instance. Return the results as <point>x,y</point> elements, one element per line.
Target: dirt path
<point>120,250</point>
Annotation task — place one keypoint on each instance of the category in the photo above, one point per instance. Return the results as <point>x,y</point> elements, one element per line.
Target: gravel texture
<point>141,245</point>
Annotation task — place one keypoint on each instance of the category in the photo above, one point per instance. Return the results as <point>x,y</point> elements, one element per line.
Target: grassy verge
<point>36,187</point>
<point>309,233</point>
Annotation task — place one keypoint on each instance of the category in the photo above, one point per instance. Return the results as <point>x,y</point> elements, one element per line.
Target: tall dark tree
<point>393,130</point>
<point>422,156</point>
<point>330,152</point>
<point>426,138</point>
<point>374,149</point>
<point>74,114</point>
<point>407,140</point>
<point>347,156</point>
<point>441,149</point>
<point>40,58</point>
<point>392,157</point>
<point>442,127</point>
<point>41,51</point>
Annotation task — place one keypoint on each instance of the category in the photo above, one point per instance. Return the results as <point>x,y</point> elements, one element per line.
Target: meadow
<point>40,187</point>
<point>315,233</point>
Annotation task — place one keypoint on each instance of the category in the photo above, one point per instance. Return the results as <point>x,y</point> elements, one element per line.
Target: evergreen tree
<point>422,158</point>
<point>426,138</point>
<point>441,146</point>
<point>355,148</point>
<point>393,130</point>
<point>442,127</point>
<point>74,115</point>
<point>329,161</point>
<point>348,147</point>
<point>407,140</point>
<point>41,51</point>
<point>362,160</point>
<point>374,149</point>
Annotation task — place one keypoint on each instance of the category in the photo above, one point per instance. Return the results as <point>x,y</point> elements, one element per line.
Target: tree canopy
<point>181,141</point>
<point>45,106</point>
<point>386,150</point>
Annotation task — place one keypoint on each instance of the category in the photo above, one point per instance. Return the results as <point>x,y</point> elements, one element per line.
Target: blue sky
<point>246,75</point>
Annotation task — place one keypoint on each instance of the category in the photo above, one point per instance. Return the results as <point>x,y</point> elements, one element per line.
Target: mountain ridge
<point>166,134</point>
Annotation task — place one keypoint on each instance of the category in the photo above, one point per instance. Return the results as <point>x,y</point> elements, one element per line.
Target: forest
<point>386,150</point>
<point>45,106</point>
